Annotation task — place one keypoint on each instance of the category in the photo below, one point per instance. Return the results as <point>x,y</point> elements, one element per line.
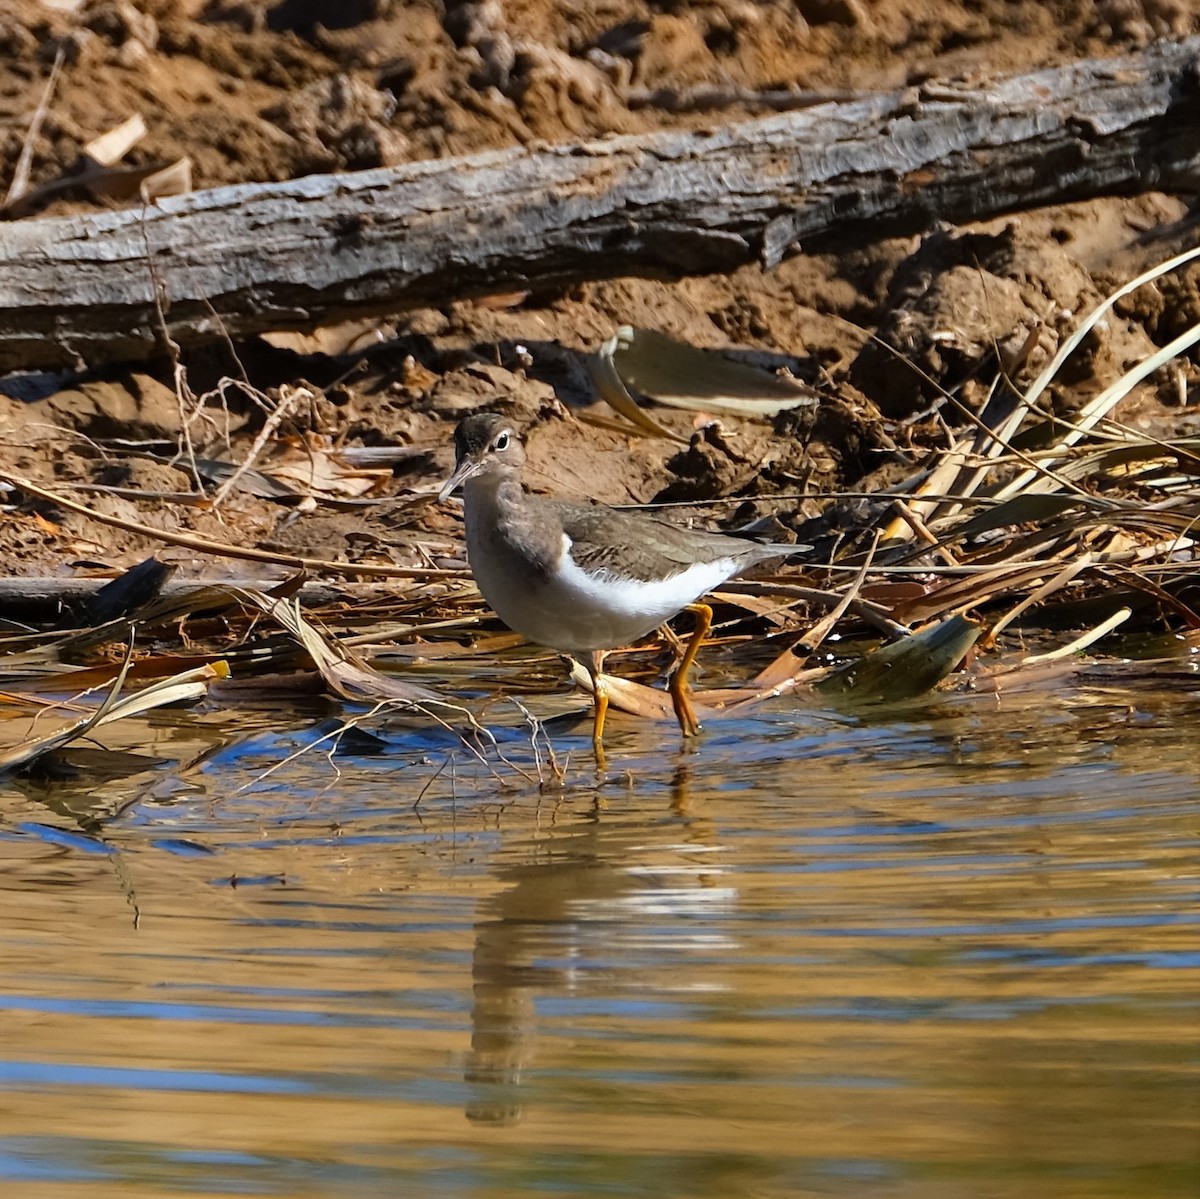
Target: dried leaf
<point>613,391</point>
<point>44,525</point>
<point>344,337</point>
<point>906,668</point>
<point>1021,509</point>
<point>347,674</point>
<point>1082,642</point>
<point>180,688</point>
<point>110,147</point>
<point>683,376</point>
<point>253,482</point>
<point>651,703</point>
<point>321,470</point>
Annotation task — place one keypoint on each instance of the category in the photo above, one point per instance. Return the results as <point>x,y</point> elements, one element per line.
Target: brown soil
<point>270,89</point>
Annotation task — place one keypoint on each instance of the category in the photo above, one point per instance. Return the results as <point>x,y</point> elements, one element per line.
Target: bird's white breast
<point>626,609</point>
<point>575,610</point>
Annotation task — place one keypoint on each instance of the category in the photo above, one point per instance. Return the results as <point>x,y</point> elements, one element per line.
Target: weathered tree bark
<point>293,255</point>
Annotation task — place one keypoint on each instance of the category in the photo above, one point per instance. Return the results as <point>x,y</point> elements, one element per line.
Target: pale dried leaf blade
<point>180,688</point>
<point>683,376</point>
<point>346,674</point>
<point>795,679</point>
<point>1032,395</point>
<point>1101,405</point>
<point>1039,385</point>
<point>1127,457</point>
<point>1047,589</point>
<point>637,699</point>
<point>1082,642</point>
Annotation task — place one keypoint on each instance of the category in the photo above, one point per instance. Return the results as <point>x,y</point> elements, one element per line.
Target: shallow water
<point>951,954</point>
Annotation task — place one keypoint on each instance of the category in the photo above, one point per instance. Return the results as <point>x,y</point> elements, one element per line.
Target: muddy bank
<point>259,91</point>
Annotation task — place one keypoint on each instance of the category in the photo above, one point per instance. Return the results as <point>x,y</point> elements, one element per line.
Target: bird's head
<point>485,444</point>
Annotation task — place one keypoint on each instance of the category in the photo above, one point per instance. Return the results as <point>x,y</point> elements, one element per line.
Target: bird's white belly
<point>577,611</point>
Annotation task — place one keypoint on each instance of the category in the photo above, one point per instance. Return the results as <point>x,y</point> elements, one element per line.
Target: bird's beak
<point>462,472</point>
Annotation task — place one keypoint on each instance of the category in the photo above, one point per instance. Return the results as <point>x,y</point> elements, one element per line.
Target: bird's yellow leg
<point>595,666</point>
<point>678,687</point>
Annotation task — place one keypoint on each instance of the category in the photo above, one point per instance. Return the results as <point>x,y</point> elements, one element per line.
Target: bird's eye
<point>501,443</point>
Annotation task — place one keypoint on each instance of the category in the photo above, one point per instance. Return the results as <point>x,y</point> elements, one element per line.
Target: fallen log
<point>246,259</point>
<point>43,600</point>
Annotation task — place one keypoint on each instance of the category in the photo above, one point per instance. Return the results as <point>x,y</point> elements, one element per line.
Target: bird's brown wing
<point>630,545</point>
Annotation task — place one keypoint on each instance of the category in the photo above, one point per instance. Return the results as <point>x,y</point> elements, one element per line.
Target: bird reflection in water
<point>589,915</point>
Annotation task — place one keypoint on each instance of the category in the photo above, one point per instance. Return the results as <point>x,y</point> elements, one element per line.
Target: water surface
<point>954,953</point>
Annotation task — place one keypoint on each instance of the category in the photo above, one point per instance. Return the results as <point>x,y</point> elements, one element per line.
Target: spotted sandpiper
<point>584,578</point>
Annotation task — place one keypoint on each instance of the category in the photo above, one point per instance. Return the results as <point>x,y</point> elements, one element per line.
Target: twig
<point>20,179</point>
<point>813,638</point>
<point>288,398</point>
<point>918,526</point>
<point>183,392</point>
<point>446,761</point>
<point>868,611</point>
<point>333,735</point>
